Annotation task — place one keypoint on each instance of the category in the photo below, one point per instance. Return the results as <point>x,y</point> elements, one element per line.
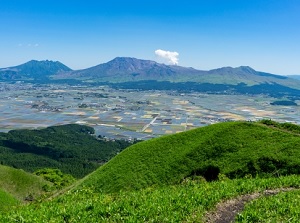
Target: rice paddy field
<point>129,113</point>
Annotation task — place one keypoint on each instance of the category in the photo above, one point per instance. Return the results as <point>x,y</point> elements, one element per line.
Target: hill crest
<point>235,149</point>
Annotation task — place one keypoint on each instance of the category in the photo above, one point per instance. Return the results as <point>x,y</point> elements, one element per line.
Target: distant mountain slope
<point>235,149</point>
<point>297,77</point>
<point>123,69</point>
<point>33,70</point>
<point>245,74</point>
<point>126,69</point>
<point>132,71</point>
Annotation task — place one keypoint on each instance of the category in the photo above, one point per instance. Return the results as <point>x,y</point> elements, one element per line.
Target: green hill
<point>235,149</point>
<point>187,202</point>
<point>18,185</point>
<point>169,172</point>
<point>6,200</point>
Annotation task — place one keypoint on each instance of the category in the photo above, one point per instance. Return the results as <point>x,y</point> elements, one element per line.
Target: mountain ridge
<point>33,69</point>
<point>129,69</point>
<point>132,68</point>
<point>294,76</point>
<point>125,66</point>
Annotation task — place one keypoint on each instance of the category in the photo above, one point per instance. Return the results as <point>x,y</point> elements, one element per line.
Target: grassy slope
<point>237,148</point>
<point>19,184</point>
<point>187,202</point>
<point>283,207</point>
<point>6,200</point>
<point>167,160</point>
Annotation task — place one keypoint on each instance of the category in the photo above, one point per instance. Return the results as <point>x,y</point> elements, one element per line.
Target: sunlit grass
<point>187,202</point>
<point>237,149</point>
<point>6,201</point>
<point>283,207</point>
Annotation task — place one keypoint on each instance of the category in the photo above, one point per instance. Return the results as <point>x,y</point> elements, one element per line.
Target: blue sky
<point>263,34</point>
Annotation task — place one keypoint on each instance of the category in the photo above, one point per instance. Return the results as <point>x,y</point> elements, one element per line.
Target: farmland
<point>129,114</point>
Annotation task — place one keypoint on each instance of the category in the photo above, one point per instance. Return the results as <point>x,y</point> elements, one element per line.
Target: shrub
<point>55,176</point>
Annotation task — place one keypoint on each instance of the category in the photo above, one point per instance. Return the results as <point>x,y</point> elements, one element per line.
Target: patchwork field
<point>129,113</point>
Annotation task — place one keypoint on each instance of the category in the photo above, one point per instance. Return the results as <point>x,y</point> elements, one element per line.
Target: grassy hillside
<point>283,207</point>
<point>18,185</point>
<point>169,173</point>
<point>6,201</point>
<point>70,148</point>
<point>187,202</point>
<point>236,149</point>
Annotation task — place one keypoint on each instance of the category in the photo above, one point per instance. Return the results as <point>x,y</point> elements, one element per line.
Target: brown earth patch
<point>226,211</point>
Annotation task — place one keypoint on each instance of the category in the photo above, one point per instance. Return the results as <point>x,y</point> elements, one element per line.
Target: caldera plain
<point>130,113</point>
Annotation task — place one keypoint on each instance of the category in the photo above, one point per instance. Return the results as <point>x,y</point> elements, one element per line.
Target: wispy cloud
<point>168,56</point>
<point>28,45</point>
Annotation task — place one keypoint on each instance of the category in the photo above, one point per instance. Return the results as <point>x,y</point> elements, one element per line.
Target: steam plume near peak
<point>168,56</point>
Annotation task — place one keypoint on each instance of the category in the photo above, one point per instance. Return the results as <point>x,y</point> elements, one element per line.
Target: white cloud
<point>168,56</point>
<point>29,45</point>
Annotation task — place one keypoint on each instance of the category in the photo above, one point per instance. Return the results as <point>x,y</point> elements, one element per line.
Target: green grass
<point>283,207</point>
<point>158,180</point>
<point>6,201</point>
<point>187,202</point>
<point>20,184</point>
<point>236,149</point>
<point>289,127</point>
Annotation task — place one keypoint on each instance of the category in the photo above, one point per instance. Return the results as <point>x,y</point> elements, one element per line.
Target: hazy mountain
<point>33,70</point>
<point>245,74</point>
<point>297,77</point>
<point>132,70</point>
<point>125,69</point>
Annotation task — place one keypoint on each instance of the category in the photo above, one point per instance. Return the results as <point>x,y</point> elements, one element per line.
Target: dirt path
<point>226,211</point>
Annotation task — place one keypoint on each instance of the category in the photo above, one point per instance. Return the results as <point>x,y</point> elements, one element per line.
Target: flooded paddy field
<point>129,113</point>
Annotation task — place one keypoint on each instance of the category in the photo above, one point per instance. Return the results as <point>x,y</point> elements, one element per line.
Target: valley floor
<point>129,114</point>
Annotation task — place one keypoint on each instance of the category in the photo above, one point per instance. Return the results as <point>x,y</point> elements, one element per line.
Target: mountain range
<point>33,70</point>
<point>295,76</point>
<point>132,70</point>
<point>126,69</point>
